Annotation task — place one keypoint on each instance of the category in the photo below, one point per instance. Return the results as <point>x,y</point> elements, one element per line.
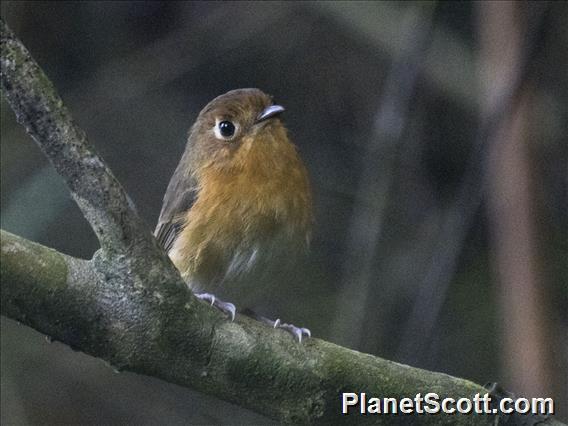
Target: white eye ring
<point>225,129</point>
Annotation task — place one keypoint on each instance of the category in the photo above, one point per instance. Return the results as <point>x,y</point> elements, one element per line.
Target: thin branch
<point>378,24</point>
<point>40,110</point>
<point>432,290</point>
<point>128,248</point>
<point>376,175</point>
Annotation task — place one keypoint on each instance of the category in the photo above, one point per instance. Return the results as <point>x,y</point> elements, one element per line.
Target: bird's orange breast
<point>264,194</point>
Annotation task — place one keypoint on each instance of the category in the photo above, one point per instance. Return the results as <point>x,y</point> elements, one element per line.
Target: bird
<point>238,203</point>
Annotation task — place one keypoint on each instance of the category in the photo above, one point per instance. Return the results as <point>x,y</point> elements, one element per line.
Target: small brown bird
<point>238,201</point>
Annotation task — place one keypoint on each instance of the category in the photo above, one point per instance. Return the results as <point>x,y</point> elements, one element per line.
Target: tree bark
<point>192,345</point>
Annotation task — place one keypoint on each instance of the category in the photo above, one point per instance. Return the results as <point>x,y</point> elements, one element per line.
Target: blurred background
<point>435,136</point>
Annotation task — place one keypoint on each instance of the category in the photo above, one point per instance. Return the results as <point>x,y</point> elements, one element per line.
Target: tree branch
<point>129,306</point>
<point>244,361</point>
<point>100,197</point>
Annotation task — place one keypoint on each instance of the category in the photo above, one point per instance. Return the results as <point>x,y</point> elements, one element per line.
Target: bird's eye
<point>226,129</point>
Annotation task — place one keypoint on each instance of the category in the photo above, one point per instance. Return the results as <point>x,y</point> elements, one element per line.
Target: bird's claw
<point>297,332</point>
<point>225,307</point>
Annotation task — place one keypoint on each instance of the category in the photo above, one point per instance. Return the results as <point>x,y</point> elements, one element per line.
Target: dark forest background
<point>435,136</point>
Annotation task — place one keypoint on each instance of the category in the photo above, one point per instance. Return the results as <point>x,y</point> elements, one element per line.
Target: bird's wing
<point>179,198</point>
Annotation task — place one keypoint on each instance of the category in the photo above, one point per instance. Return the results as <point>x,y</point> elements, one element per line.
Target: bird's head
<point>238,127</point>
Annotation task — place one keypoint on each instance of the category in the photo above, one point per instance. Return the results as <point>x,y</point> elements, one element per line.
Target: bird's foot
<point>297,332</point>
<point>225,307</point>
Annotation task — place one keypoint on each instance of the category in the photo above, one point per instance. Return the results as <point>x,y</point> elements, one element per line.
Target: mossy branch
<point>129,306</point>
<point>244,361</point>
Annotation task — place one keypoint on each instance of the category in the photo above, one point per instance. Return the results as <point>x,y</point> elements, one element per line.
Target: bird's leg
<point>225,307</point>
<point>297,332</point>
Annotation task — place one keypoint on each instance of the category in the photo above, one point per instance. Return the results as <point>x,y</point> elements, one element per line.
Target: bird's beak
<point>269,112</point>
